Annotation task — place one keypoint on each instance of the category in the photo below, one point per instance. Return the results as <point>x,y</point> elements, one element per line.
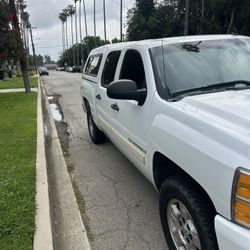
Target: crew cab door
<point>129,124</point>
<point>103,103</point>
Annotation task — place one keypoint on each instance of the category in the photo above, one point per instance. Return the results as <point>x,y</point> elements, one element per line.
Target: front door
<point>130,121</point>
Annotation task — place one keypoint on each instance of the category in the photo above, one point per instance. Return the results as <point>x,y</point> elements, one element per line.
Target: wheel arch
<point>163,167</point>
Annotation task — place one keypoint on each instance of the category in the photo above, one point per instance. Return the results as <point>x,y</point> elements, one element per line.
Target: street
<point>121,206</point>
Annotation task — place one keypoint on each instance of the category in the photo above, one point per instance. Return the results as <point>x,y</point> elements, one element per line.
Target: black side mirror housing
<point>126,90</point>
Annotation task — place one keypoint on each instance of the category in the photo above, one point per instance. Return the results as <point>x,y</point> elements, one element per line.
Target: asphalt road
<point>121,205</point>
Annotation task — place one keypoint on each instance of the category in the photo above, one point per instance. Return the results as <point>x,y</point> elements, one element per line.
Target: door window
<point>133,69</point>
<point>93,65</point>
<point>110,68</point>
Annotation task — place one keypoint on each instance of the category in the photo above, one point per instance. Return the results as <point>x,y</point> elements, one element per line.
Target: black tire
<point>96,135</point>
<point>179,188</point>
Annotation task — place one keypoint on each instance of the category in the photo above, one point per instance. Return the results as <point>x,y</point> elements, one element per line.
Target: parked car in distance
<point>69,69</point>
<point>60,69</point>
<point>76,68</point>
<point>43,71</point>
<point>179,110</point>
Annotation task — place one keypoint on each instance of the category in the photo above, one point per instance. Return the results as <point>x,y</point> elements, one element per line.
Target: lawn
<point>17,170</point>
<point>17,82</point>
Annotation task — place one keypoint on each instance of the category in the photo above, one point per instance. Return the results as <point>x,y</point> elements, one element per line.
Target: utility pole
<point>21,50</point>
<point>94,25</point>
<point>33,48</point>
<point>121,21</point>
<point>104,19</point>
<point>186,18</point>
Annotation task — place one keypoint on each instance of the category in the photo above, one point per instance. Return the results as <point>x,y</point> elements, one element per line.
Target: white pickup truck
<point>179,110</point>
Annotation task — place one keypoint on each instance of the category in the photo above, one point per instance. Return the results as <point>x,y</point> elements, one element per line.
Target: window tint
<point>132,68</point>
<point>186,66</point>
<point>93,65</point>
<point>110,68</point>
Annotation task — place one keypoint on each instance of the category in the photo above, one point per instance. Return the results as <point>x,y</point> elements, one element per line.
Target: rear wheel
<point>186,217</point>
<point>96,135</point>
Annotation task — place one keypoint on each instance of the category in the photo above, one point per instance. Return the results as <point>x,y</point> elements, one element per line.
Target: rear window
<point>93,65</point>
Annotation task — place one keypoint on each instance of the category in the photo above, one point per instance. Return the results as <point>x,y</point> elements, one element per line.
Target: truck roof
<point>150,43</point>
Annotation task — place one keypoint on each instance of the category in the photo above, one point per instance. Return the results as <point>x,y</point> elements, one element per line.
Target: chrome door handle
<point>115,106</point>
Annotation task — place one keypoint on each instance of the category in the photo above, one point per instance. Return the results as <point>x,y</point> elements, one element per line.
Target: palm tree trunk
<point>94,25</point>
<point>231,21</point>
<point>77,54</point>
<point>86,27</point>
<point>104,21</point>
<point>80,27</point>
<point>67,42</point>
<point>62,37</point>
<point>186,17</point>
<point>72,37</point>
<point>121,21</point>
<point>21,52</point>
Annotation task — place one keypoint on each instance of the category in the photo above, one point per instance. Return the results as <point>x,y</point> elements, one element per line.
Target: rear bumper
<point>231,236</point>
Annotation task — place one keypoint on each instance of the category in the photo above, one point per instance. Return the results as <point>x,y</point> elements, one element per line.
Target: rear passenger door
<point>104,112</point>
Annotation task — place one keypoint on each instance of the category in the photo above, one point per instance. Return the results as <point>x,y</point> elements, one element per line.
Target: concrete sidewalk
<point>17,90</point>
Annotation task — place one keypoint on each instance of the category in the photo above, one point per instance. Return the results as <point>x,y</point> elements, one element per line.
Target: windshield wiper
<point>238,84</point>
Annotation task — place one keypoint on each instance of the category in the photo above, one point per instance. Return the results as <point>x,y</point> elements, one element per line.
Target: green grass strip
<point>17,170</point>
<point>17,82</point>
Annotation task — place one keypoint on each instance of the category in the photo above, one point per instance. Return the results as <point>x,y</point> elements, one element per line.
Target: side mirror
<point>126,90</point>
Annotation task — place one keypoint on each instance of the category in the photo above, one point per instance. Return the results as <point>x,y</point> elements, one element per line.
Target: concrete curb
<point>72,233</point>
<point>43,234</point>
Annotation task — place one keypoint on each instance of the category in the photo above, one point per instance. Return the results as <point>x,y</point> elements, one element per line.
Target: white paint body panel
<point>207,135</point>
<point>231,236</point>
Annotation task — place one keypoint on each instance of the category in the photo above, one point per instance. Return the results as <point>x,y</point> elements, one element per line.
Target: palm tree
<point>104,20</point>
<point>71,11</point>
<point>25,21</point>
<point>22,56</point>
<point>66,13</point>
<point>80,27</point>
<point>94,24</point>
<point>86,27</point>
<point>77,54</point>
<point>121,21</point>
<point>63,19</point>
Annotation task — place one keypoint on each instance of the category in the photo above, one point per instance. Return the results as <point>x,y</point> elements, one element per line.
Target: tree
<point>138,20</point>
<point>88,42</point>
<point>150,20</point>
<point>8,45</point>
<point>80,26</point>
<point>47,59</point>
<point>71,11</point>
<point>77,52</point>
<point>115,40</point>
<point>39,60</point>
<point>63,19</point>
<point>21,52</point>
<point>85,21</point>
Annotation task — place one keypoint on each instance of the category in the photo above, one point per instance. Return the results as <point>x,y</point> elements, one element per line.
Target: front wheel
<point>96,135</point>
<point>186,217</point>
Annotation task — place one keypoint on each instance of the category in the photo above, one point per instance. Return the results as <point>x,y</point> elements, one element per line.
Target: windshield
<point>186,66</point>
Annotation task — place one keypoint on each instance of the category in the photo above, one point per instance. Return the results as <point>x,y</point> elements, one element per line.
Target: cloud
<point>44,16</point>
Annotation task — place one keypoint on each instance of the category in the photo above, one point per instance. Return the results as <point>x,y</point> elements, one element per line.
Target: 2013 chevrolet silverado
<point>179,110</point>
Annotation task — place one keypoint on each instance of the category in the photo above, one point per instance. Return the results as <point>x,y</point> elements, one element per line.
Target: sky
<point>47,32</point>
